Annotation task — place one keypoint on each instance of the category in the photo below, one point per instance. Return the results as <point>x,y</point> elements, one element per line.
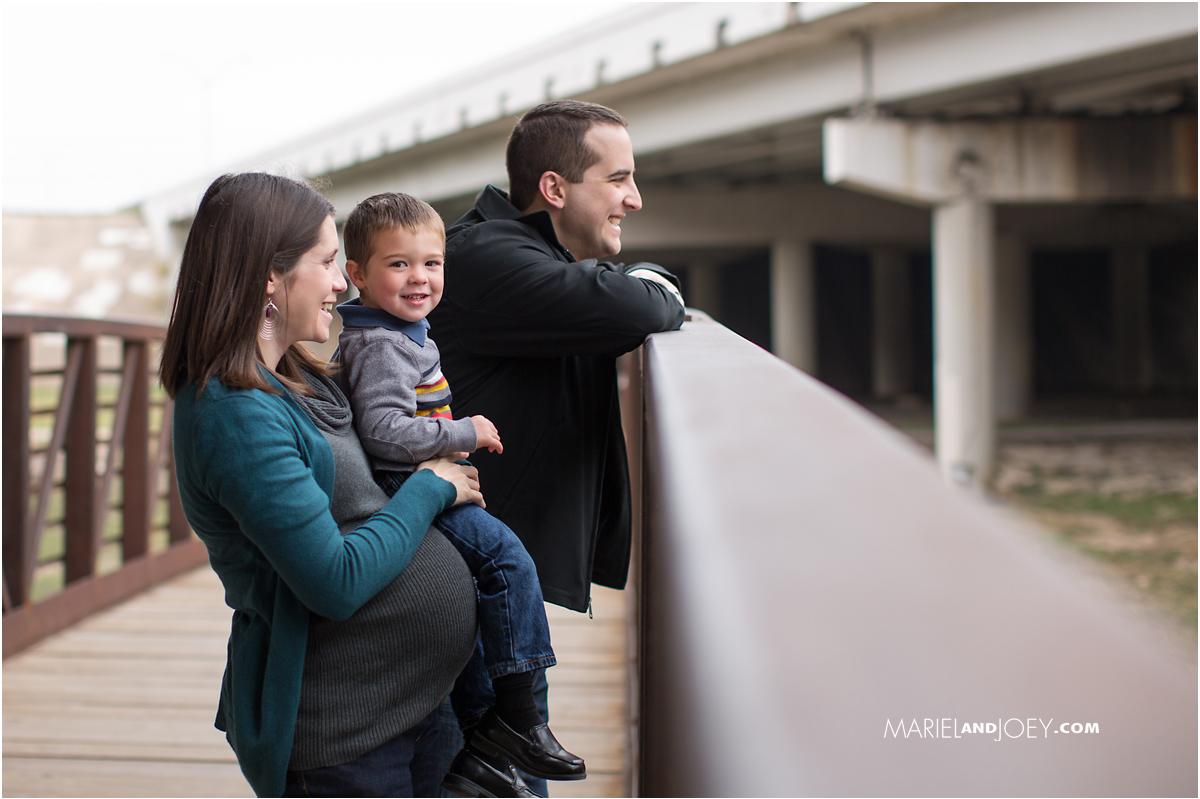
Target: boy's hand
<point>487,434</point>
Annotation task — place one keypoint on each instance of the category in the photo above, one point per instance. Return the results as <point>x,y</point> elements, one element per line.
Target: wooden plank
<point>599,638</point>
<point>588,705</point>
<point>566,675</point>
<point>175,725</point>
<point>111,708</point>
<point>129,690</point>
<point>192,602</point>
<point>177,646</point>
<point>196,620</point>
<point>595,785</point>
<point>26,625</point>
<point>122,778</point>
<point>117,666</point>
<point>121,750</point>
<point>123,704</point>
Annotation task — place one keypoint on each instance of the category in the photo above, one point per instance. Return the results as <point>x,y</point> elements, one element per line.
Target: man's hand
<point>655,277</point>
<point>487,434</point>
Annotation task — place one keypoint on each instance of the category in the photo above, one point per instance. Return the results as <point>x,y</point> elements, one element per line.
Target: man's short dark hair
<point>550,138</point>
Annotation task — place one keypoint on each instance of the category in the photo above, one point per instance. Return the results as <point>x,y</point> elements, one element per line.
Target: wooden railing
<point>91,512</point>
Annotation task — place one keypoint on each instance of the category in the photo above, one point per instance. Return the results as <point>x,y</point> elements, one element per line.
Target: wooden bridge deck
<point>123,703</point>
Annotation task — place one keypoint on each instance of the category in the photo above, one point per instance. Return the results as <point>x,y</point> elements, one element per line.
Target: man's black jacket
<point>529,338</point>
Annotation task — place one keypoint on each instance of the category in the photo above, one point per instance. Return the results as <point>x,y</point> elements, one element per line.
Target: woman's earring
<point>267,330</point>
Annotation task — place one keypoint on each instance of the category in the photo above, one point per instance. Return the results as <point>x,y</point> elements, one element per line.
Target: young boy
<point>390,368</point>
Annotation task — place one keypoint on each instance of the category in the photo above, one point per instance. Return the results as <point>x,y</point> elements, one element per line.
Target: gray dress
<point>373,676</point>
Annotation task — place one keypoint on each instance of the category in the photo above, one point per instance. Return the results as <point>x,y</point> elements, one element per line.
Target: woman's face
<point>307,294</point>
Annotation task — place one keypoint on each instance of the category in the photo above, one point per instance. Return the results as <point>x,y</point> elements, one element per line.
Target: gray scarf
<point>356,497</point>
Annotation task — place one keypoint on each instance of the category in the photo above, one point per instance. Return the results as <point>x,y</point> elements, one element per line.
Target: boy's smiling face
<point>404,275</point>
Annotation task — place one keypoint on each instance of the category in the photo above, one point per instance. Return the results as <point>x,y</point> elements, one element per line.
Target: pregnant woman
<point>351,621</point>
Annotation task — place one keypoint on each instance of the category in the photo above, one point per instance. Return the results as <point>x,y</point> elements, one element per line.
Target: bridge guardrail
<point>820,614</point>
<point>60,519</point>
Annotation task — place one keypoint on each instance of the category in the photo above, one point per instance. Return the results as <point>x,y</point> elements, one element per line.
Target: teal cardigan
<point>255,477</point>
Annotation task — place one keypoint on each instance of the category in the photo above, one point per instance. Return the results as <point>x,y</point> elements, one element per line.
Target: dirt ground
<point>1129,504</point>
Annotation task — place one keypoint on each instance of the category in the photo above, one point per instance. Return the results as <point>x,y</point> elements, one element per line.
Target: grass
<point>1148,541</point>
<point>1149,511</point>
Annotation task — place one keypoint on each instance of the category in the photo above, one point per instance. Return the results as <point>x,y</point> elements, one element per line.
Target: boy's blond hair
<point>386,212</point>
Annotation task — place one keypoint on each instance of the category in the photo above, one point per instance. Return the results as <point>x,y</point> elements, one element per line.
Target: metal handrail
<point>819,614</point>
<point>144,457</point>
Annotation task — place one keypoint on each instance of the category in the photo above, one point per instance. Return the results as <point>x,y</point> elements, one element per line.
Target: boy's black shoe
<point>471,776</point>
<point>537,752</point>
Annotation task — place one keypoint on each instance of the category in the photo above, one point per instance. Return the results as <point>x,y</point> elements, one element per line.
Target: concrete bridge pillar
<point>963,310</point>
<point>793,303</point>
<point>959,169</point>
<point>1014,329</point>
<point>891,333</point>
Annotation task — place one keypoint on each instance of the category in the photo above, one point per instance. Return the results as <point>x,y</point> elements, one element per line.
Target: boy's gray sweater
<point>383,361</point>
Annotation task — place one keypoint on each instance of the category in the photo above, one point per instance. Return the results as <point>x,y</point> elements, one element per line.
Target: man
<point>530,326</point>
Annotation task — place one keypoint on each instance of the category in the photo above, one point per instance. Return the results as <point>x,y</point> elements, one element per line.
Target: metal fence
<point>91,512</point>
<point>819,614</point>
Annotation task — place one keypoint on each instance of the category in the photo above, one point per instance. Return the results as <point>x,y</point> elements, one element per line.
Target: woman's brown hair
<point>247,226</point>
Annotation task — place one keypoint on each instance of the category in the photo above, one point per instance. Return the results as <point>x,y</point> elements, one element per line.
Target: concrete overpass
<point>800,161</point>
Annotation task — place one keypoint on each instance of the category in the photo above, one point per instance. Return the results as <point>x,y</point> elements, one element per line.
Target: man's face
<point>589,224</point>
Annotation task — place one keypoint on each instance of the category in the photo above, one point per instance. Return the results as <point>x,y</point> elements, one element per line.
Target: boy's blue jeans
<point>514,635</point>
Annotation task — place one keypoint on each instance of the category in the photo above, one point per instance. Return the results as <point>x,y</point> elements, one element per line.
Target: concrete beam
<point>1015,160</point>
<point>441,174</point>
<point>757,216</point>
<point>977,43</point>
<point>684,73</point>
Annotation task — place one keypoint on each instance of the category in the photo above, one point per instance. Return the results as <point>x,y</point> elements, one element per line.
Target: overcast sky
<point>107,102</point>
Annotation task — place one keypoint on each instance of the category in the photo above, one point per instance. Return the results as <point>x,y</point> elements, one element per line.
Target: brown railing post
<point>177,525</point>
<point>30,614</point>
<point>18,530</point>
<point>80,522</point>
<point>137,507</point>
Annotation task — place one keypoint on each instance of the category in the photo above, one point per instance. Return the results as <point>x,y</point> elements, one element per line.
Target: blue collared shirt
<point>355,314</point>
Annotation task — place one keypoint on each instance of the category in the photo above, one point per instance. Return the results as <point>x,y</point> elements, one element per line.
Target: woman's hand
<point>465,479</point>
